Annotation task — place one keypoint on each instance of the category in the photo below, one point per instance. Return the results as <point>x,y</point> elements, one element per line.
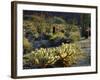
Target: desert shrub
<point>75,36</point>
<point>29,26</point>
<point>72,32</point>
<point>74,28</point>
<point>26,45</point>
<point>56,20</point>
<point>66,54</point>
<point>58,35</point>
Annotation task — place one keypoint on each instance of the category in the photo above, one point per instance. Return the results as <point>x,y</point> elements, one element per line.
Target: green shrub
<point>56,20</point>
<point>26,45</point>
<point>75,36</point>
<point>58,35</point>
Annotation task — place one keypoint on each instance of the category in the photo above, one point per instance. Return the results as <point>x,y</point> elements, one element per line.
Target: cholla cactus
<point>43,57</point>
<point>67,54</point>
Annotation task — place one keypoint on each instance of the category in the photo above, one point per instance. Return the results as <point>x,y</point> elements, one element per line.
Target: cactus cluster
<point>66,54</point>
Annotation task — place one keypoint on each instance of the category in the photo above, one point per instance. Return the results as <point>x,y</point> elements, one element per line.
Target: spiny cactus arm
<point>52,61</point>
